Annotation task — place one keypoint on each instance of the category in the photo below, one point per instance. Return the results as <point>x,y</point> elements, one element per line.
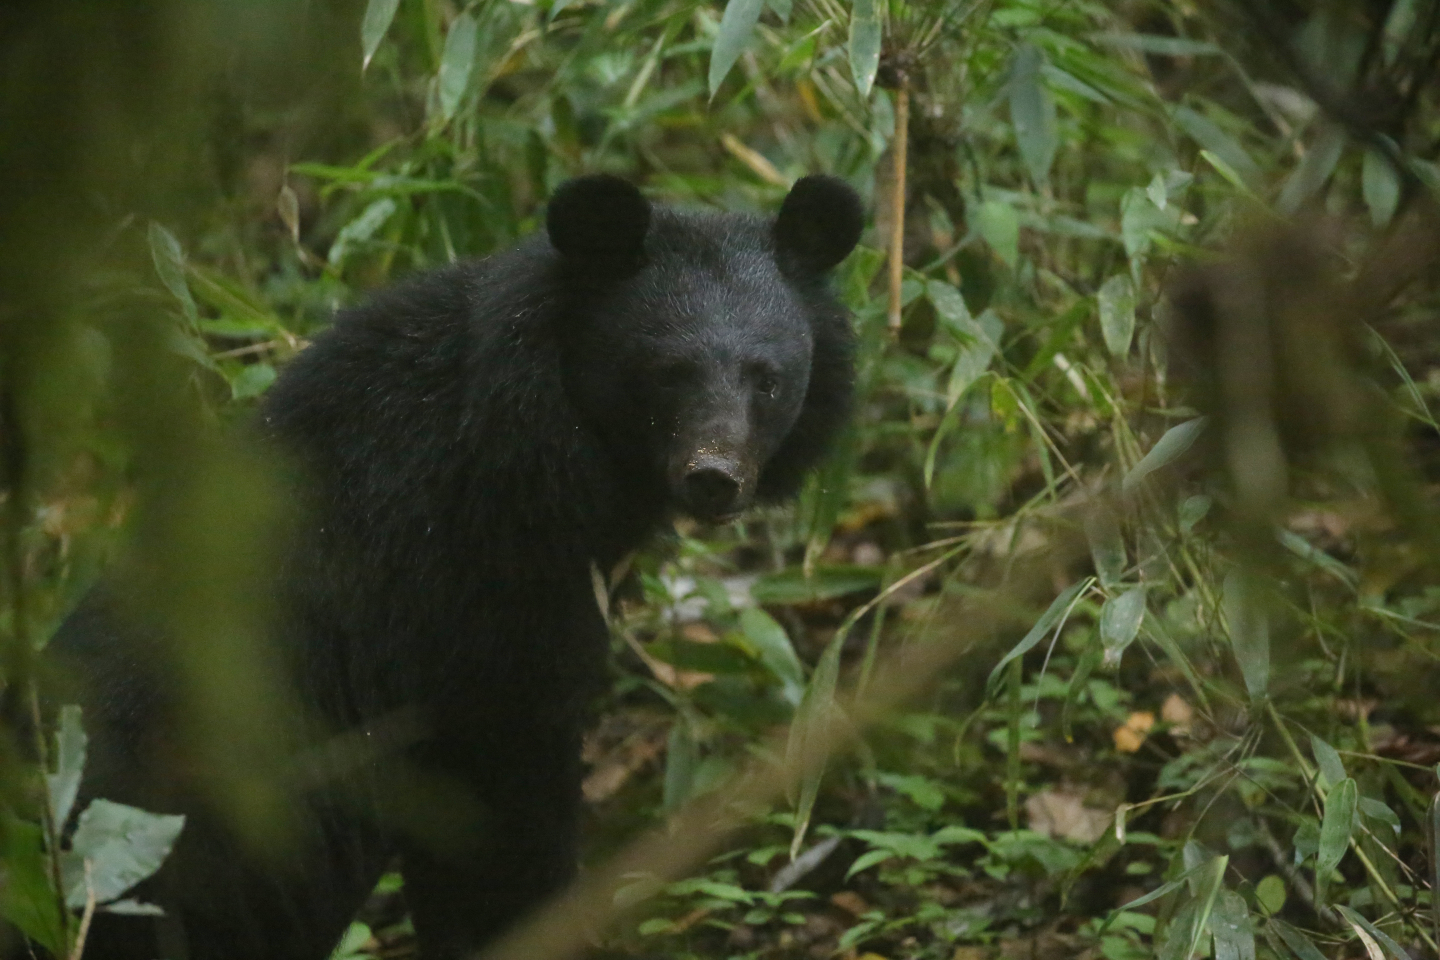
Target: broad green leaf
<point>1192,510</point>
<point>1230,926</point>
<point>973,360</point>
<point>957,834</point>
<point>457,63</point>
<point>781,8</point>
<point>950,308</point>
<point>1396,951</point>
<point>1380,814</point>
<point>824,583</point>
<point>1058,609</point>
<point>923,791</point>
<point>867,860</point>
<point>349,947</point>
<point>720,658</point>
<point>913,846</point>
<point>1270,894</point>
<point>169,261</point>
<point>1313,170</point>
<point>1032,112</point>
<point>736,25</point>
<point>1428,174</point>
<point>378,15</point>
<point>1107,546</point>
<point>999,225</point>
<point>1116,300</point>
<point>1157,193</point>
<point>1380,186</point>
<point>26,898</point>
<point>1297,941</point>
<point>64,783</point>
<point>1249,630</point>
<point>361,229</point>
<point>1120,621</point>
<point>1167,450</point>
<point>1204,132</point>
<point>776,651</point>
<point>1400,25</point>
<point>1307,839</point>
<point>124,846</point>
<point>1335,831</point>
<point>682,757</point>
<point>1332,768</point>
<point>252,381</point>
<point>865,37</point>
<point>1138,218</point>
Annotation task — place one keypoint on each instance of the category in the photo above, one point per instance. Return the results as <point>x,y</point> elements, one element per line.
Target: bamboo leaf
<point>1380,186</point>
<point>1032,112</point>
<point>1313,170</point>
<point>378,16</point>
<point>865,37</point>
<point>1053,614</point>
<point>1360,924</point>
<point>1116,300</point>
<point>1167,450</point>
<point>1332,769</point>
<point>1120,620</point>
<point>70,743</point>
<point>776,651</point>
<point>457,63</point>
<point>1299,944</point>
<point>169,260</point>
<point>1107,546</point>
<point>1249,631</point>
<point>1335,831</point>
<point>1204,132</point>
<point>736,25</point>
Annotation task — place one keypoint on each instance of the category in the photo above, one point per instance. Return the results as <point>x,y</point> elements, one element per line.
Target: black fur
<point>469,443</point>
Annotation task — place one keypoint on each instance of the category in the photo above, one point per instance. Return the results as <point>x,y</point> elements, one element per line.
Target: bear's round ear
<point>598,218</point>
<point>819,224</point>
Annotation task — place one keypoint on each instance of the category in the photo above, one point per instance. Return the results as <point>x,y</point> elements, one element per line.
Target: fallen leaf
<point>1063,814</point>
<point>1129,737</point>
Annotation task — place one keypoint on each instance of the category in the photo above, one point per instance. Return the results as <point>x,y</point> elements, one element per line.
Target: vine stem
<point>899,153</point>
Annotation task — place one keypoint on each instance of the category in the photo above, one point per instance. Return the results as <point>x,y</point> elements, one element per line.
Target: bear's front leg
<point>523,850</point>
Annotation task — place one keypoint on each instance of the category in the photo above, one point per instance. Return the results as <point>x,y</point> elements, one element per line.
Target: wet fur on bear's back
<point>467,446</point>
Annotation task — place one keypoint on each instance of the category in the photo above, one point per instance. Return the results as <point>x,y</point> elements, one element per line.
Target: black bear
<point>469,446</point>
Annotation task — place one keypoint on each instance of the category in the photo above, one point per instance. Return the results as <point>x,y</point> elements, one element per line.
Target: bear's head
<point>706,349</point>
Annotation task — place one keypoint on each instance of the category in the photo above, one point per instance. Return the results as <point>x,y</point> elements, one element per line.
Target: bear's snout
<point>713,488</point>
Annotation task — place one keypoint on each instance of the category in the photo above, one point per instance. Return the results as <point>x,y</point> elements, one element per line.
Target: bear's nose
<point>711,492</point>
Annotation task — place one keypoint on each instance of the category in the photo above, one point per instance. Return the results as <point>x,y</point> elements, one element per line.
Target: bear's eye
<point>767,384</point>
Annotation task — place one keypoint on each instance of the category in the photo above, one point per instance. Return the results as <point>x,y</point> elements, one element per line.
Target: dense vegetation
<point>1111,629</point>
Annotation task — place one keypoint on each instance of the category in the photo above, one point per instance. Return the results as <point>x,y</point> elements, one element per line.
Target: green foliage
<point>1166,606</point>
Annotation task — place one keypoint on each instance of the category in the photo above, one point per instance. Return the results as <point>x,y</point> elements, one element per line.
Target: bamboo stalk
<point>899,151</point>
